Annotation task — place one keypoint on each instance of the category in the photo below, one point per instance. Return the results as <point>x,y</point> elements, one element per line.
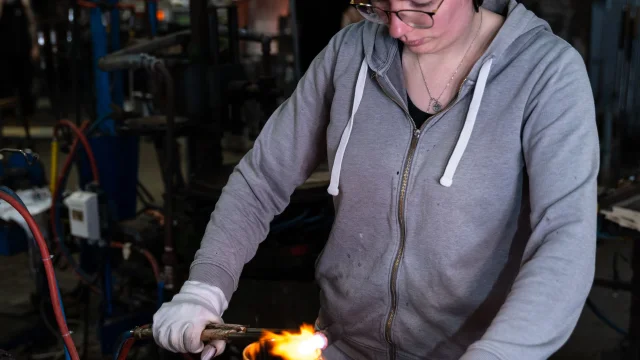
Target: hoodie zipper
<point>401,214</point>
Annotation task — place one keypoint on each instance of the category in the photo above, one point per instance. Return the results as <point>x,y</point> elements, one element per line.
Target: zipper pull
<point>416,133</point>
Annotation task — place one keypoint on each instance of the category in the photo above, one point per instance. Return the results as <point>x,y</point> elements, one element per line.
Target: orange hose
<point>51,275</point>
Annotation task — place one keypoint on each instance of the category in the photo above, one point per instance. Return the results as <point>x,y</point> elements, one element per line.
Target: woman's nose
<point>397,27</point>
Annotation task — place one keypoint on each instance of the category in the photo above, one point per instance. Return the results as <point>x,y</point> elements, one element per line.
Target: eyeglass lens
<point>417,19</point>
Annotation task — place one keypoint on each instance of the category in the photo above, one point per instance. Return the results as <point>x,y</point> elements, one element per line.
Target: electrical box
<point>84,215</point>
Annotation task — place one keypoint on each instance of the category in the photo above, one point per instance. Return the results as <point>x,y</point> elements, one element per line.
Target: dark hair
<point>477,4</point>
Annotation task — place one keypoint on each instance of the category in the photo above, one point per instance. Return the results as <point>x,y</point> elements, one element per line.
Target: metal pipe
<point>155,44</point>
<point>217,332</point>
<point>634,98</point>
<point>177,38</point>
<point>246,35</point>
<point>607,144</point>
<point>612,285</point>
<point>139,61</point>
<point>632,63</point>
<point>74,61</point>
<point>293,13</point>
<point>169,257</point>
<point>620,59</point>
<point>266,56</point>
<point>127,62</point>
<point>214,40</point>
<point>234,37</point>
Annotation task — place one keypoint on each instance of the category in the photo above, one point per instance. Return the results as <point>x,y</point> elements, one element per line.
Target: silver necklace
<point>435,102</point>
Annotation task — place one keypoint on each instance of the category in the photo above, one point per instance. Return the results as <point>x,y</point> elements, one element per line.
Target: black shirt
<point>419,116</point>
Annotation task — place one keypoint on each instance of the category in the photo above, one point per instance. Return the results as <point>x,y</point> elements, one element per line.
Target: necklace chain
<point>435,103</point>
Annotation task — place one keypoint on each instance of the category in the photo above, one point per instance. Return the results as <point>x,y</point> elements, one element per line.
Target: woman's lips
<point>414,43</point>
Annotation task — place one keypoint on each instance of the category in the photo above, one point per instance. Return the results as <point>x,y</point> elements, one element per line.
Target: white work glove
<point>178,324</point>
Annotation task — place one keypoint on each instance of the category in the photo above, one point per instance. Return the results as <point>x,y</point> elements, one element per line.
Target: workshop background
<point>133,150</point>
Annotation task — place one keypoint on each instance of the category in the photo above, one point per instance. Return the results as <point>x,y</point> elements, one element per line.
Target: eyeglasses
<point>414,18</point>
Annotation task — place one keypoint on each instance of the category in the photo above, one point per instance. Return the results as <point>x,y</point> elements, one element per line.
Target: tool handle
<point>211,333</point>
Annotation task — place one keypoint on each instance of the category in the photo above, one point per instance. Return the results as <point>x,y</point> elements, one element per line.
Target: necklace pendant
<point>437,106</point>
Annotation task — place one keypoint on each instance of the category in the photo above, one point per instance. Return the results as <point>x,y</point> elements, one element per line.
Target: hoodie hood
<point>381,50</point>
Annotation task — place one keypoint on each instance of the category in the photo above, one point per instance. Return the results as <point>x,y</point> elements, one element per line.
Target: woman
<point>464,156</point>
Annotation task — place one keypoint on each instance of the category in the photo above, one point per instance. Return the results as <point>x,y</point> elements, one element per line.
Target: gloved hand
<point>178,324</point>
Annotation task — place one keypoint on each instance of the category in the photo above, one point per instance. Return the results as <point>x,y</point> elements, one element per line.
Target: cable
<point>54,292</point>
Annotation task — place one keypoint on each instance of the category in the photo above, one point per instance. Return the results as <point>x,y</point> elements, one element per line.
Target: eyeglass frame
<point>389,12</point>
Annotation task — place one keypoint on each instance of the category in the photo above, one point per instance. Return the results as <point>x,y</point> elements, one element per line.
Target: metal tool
<point>213,332</point>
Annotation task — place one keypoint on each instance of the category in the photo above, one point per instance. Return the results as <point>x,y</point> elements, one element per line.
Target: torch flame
<point>306,345</point>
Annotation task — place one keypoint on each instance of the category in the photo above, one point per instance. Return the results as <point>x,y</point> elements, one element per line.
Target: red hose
<point>85,143</point>
<point>154,264</point>
<point>131,7</point>
<point>51,275</point>
<point>56,192</point>
<point>124,351</point>
<point>92,5</point>
<point>87,4</point>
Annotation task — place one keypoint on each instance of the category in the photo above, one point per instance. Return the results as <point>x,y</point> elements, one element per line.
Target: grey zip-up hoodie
<point>473,236</point>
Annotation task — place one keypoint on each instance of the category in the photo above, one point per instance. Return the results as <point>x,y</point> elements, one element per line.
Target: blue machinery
<point>116,155</point>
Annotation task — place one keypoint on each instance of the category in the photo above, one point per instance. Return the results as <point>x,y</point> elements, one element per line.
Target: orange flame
<point>306,345</point>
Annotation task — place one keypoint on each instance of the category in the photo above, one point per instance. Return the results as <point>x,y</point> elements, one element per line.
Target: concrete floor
<point>258,302</point>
